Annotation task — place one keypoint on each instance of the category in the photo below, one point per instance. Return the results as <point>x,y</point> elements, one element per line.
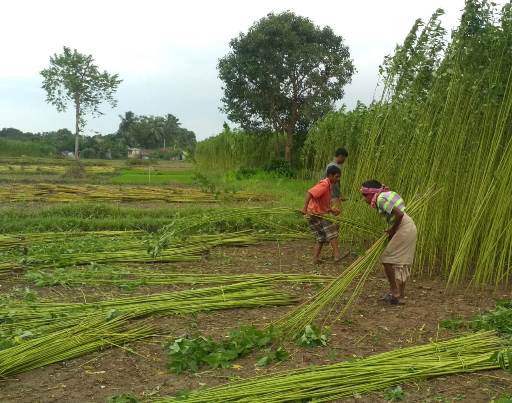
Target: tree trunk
<point>77,127</point>
<point>289,145</point>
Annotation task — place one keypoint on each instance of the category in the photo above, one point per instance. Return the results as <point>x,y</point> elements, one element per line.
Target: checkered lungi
<point>324,230</point>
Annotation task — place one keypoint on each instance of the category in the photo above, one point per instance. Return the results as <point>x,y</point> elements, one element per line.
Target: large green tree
<point>283,74</point>
<point>72,77</point>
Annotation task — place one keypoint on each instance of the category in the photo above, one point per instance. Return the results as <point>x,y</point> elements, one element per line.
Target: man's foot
<point>339,258</point>
<point>317,261</point>
<point>391,299</point>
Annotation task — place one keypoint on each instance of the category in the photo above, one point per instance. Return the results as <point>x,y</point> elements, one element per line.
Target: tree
<point>283,74</point>
<point>155,132</point>
<point>74,78</point>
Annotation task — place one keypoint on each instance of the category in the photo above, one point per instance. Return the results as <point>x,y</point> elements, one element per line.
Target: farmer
<point>340,156</point>
<point>316,206</point>
<point>399,253</point>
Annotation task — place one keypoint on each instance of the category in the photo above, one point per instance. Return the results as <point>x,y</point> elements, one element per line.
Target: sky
<point>166,52</point>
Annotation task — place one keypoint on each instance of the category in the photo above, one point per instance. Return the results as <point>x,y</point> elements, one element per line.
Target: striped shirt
<point>387,201</point>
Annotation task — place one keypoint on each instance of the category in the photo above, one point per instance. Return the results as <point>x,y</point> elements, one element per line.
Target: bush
<point>245,173</point>
<point>281,168</point>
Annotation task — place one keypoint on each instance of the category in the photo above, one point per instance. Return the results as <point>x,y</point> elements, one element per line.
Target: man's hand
<point>304,211</point>
<point>335,211</point>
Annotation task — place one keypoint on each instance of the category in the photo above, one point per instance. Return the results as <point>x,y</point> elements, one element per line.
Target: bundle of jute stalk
<point>474,352</point>
<point>99,275</point>
<point>292,324</point>
<point>62,193</point>
<point>44,316</point>
<point>87,335</point>
<point>9,241</point>
<point>128,250</point>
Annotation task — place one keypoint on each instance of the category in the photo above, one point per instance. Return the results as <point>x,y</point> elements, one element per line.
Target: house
<point>135,153</point>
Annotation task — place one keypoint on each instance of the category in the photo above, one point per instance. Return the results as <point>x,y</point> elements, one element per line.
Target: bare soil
<point>370,327</point>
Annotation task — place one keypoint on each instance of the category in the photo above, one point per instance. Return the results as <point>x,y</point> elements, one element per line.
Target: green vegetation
<point>18,147</point>
<point>136,177</point>
<point>186,354</point>
<point>499,319</point>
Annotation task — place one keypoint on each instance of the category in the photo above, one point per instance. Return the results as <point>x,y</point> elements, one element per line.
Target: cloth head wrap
<point>375,192</point>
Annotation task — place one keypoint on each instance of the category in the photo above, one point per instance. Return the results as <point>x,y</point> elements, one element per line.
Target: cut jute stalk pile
<point>192,248</point>
<point>41,316</point>
<point>475,352</point>
<point>104,275</point>
<point>62,193</point>
<point>40,333</point>
<point>87,335</point>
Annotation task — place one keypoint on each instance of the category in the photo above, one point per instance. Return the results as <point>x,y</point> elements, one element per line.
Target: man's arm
<point>396,223</point>
<point>306,203</point>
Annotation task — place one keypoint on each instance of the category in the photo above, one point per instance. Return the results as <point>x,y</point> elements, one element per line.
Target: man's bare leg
<point>335,250</point>
<point>401,288</point>
<point>318,250</point>
<point>390,274</point>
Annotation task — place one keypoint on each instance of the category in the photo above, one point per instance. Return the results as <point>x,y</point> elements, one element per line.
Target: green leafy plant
<point>395,394</point>
<point>312,337</point>
<point>123,398</point>
<point>279,355</point>
<point>189,354</point>
<point>499,319</point>
<point>507,398</point>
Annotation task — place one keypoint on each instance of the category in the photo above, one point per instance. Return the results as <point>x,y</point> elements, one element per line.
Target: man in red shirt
<point>318,204</point>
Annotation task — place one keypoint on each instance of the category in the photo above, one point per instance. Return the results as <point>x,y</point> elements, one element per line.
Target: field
<point>239,252</point>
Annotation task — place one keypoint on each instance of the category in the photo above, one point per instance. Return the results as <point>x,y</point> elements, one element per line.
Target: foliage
<point>312,337</point>
<point>123,398</point>
<point>395,394</point>
<point>72,77</point>
<point>499,319</point>
<point>187,354</point>
<point>283,74</point>
<point>280,167</point>
<point>29,148</point>
<point>156,132</point>
<point>279,355</point>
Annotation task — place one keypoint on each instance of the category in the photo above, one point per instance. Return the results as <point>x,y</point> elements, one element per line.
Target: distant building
<point>135,153</point>
<point>67,154</point>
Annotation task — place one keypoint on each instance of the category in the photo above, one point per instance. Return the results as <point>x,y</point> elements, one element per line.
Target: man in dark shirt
<point>339,158</point>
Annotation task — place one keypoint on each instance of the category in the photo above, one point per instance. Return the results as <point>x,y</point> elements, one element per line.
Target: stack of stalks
<point>47,192</point>
<point>39,315</point>
<point>47,332</point>
<point>125,276</point>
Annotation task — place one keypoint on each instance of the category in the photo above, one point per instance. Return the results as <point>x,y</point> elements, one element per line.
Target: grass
<point>85,217</point>
<point>149,177</point>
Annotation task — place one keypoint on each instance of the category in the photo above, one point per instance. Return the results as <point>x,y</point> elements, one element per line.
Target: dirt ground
<point>370,327</point>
